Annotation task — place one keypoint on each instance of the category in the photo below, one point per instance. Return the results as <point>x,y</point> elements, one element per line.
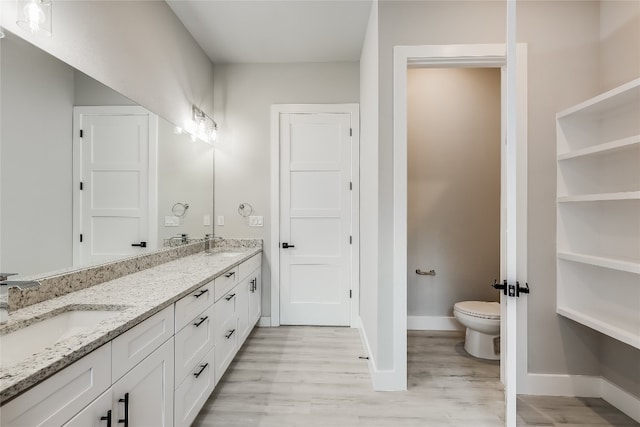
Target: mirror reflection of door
<point>114,176</point>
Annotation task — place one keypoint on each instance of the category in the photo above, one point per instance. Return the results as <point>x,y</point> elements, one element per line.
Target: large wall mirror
<point>130,184</point>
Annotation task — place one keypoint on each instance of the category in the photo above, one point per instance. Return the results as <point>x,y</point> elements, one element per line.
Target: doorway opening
<point>513,176</point>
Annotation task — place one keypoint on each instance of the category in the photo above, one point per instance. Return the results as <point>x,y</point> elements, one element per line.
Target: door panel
<point>112,161</point>
<point>315,216</point>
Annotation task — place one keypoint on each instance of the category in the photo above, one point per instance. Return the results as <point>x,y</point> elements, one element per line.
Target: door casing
<point>274,247</point>
<point>452,56</point>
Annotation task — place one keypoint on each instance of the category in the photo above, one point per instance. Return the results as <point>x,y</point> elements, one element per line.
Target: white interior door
<point>112,164</point>
<point>315,218</point>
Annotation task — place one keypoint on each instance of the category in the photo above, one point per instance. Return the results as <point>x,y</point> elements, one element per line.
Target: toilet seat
<point>480,309</point>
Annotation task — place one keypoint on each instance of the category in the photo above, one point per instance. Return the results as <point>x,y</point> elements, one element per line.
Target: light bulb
<point>214,134</point>
<point>34,16</point>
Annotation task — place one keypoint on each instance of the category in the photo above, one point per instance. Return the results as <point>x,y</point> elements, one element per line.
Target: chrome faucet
<point>4,292</point>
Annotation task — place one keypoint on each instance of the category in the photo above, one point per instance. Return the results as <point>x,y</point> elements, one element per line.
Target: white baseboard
<point>621,399</point>
<point>433,323</point>
<point>382,380</point>
<point>582,386</point>
<point>264,322</point>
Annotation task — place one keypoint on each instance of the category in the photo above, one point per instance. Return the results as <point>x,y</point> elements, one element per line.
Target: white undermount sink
<point>22,343</point>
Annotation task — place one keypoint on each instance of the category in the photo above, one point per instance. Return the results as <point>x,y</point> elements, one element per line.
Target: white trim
<point>152,209</point>
<point>264,322</point>
<point>561,385</point>
<point>433,323</point>
<point>276,111</point>
<point>621,399</point>
<point>382,380</point>
<point>485,55</point>
<point>583,386</point>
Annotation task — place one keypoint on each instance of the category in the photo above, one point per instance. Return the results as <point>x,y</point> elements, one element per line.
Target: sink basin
<point>22,343</point>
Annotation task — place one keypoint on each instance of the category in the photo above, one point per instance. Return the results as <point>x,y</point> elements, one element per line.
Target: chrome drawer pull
<point>230,297</point>
<point>229,274</point>
<point>227,336</point>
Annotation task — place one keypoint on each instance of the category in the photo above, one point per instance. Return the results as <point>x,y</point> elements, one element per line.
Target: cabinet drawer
<point>91,416</point>
<point>226,282</point>
<point>249,265</point>
<point>55,400</point>
<point>193,304</point>
<point>193,342</point>
<point>191,395</point>
<point>226,334</point>
<point>140,341</point>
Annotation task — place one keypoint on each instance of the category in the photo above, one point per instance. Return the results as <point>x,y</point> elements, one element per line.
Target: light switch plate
<point>207,220</point>
<point>256,221</point>
<point>220,219</point>
<point>171,221</point>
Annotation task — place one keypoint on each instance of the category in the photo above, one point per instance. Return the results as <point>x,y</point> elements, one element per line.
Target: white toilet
<point>482,320</point>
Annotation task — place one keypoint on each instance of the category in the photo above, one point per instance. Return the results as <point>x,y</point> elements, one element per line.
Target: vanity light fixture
<point>34,16</point>
<point>201,126</point>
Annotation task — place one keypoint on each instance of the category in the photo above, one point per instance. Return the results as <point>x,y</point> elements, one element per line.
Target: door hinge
<point>350,131</point>
<point>80,237</point>
<point>81,133</point>
<point>81,186</point>
<point>350,293</point>
<point>350,240</point>
<point>351,186</point>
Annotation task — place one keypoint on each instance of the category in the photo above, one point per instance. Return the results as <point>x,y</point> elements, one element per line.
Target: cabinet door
<point>255,299</point>
<point>242,309</point>
<point>96,414</point>
<point>144,396</point>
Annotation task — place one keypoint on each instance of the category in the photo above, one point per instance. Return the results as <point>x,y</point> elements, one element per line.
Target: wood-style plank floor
<point>311,376</point>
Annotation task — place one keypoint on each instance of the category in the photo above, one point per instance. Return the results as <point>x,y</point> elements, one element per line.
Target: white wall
<point>244,95</point>
<point>369,184</point>
<point>37,96</point>
<point>138,48</point>
<point>619,63</point>
<point>453,138</point>
<point>563,69</point>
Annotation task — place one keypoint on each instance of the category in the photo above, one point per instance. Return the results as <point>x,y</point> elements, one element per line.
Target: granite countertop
<point>136,297</point>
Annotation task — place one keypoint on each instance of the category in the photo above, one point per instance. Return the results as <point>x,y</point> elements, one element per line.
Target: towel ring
<point>180,209</point>
<point>245,209</point>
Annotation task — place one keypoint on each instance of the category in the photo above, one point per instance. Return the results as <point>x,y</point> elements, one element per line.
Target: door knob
<point>286,245</point>
<point>141,244</point>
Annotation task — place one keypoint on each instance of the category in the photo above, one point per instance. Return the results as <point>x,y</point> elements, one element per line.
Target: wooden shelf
<point>628,266</point>
<point>608,101</point>
<point>603,197</point>
<point>605,148</point>
<point>604,326</point>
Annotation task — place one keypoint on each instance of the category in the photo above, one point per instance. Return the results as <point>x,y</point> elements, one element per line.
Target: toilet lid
<point>482,309</point>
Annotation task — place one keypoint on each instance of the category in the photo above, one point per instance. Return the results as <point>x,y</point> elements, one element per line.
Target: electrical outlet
<point>171,221</point>
<point>256,221</point>
<point>207,220</point>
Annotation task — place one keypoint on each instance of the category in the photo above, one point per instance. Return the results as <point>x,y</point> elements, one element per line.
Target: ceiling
<point>271,31</point>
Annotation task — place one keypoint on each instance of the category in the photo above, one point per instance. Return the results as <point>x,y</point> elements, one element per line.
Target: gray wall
<point>619,63</point>
<point>453,136</point>
<point>369,184</point>
<point>244,95</point>
<point>138,48</point>
<point>37,96</point>
<point>563,67</point>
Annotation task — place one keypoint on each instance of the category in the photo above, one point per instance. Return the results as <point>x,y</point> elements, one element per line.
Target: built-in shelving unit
<point>598,239</point>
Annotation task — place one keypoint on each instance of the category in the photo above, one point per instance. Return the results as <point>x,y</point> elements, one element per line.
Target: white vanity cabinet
<point>255,298</point>
<point>142,397</point>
